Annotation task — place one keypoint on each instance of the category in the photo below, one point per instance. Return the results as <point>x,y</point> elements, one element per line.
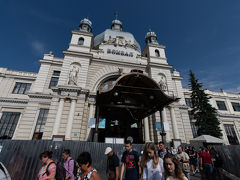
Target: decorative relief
<point>120,41</point>
<point>73,74</point>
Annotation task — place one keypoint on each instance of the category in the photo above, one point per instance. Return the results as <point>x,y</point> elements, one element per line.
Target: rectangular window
<point>189,102</point>
<point>231,134</point>
<point>8,123</point>
<point>236,106</point>
<point>221,105</point>
<point>21,88</point>
<point>54,79</point>
<point>194,129</point>
<point>41,121</point>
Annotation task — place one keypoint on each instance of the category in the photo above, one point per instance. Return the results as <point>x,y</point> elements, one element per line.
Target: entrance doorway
<point>124,101</point>
<point>120,124</point>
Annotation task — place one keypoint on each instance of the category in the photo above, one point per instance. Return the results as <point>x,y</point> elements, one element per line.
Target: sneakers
<point>197,171</point>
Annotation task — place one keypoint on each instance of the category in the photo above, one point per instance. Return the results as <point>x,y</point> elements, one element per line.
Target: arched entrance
<point>124,102</point>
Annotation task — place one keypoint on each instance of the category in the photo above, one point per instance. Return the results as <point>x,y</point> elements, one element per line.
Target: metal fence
<point>21,158</point>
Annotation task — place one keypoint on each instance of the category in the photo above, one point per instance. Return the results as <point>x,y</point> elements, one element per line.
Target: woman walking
<point>48,170</point>
<point>152,165</point>
<point>172,169</point>
<point>87,171</point>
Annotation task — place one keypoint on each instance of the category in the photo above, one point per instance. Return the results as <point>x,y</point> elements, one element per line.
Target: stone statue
<point>163,83</point>
<point>73,75</point>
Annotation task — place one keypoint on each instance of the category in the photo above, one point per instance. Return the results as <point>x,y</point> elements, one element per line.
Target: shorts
<point>193,161</point>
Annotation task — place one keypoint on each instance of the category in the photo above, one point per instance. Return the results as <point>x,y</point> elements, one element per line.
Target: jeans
<point>207,173</point>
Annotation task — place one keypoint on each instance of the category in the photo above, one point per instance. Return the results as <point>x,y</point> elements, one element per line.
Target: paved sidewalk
<point>197,176</point>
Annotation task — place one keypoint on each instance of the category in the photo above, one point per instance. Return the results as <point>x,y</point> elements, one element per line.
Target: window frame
<point>40,124</point>
<point>231,134</point>
<point>188,102</point>
<point>21,88</point>
<point>221,107</point>
<point>157,53</point>
<point>8,124</point>
<point>237,107</point>
<point>55,75</point>
<point>81,41</point>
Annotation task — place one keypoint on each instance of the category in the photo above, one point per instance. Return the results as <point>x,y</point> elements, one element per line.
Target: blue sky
<point>201,35</point>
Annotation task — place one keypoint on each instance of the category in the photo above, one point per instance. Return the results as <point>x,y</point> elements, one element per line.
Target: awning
<point>136,92</point>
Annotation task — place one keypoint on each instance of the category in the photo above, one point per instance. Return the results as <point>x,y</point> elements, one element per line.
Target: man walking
<point>162,151</point>
<point>184,161</point>
<point>206,165</point>
<point>112,164</point>
<point>68,164</point>
<point>129,160</point>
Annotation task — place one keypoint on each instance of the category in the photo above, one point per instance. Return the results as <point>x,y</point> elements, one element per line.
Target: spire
<point>151,37</point>
<point>116,24</point>
<point>85,25</point>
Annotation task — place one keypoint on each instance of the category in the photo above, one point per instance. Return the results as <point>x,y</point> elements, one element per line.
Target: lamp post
<point>162,133</point>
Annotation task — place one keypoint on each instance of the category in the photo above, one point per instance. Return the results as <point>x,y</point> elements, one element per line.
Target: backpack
<point>75,168</point>
<point>60,171</point>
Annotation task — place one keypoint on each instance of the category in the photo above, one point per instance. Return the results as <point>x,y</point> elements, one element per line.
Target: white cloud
<point>38,46</point>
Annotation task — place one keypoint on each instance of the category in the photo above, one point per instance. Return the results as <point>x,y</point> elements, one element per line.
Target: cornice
<point>113,61</point>
<point>67,88</point>
<point>42,96</point>
<point>74,53</point>
<point>51,61</point>
<point>228,115</point>
<point>156,45</point>
<point>177,77</point>
<point>166,66</point>
<point>18,101</point>
<point>157,58</point>
<point>82,33</point>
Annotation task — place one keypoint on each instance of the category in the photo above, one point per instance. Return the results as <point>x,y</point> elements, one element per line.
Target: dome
<point>86,21</point>
<point>116,21</point>
<point>85,25</point>
<point>116,25</point>
<point>151,37</point>
<point>114,37</point>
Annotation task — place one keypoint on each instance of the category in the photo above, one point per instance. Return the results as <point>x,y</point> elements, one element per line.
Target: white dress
<point>151,173</point>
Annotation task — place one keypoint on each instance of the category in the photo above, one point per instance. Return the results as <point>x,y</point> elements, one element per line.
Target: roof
<point>111,34</point>
<point>208,139</point>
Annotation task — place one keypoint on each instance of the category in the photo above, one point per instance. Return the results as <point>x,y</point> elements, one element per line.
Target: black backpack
<point>75,168</point>
<point>60,171</point>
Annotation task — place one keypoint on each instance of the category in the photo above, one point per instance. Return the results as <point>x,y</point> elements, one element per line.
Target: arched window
<point>80,41</point>
<point>157,53</point>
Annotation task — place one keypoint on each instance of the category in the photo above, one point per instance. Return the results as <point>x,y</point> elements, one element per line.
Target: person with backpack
<point>68,165</point>
<point>129,160</point>
<point>112,164</point>
<point>48,170</point>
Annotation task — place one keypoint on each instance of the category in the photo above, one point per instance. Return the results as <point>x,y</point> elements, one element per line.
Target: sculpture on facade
<point>73,75</point>
<point>162,82</point>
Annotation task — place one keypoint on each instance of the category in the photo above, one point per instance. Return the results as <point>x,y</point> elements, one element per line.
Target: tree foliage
<point>202,111</point>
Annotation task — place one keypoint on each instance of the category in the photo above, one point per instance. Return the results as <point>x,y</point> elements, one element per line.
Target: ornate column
<point>164,119</point>
<point>174,124</point>
<point>58,117</point>
<point>146,130</point>
<point>70,120</point>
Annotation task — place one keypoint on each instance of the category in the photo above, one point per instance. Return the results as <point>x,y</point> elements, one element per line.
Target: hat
<point>108,150</point>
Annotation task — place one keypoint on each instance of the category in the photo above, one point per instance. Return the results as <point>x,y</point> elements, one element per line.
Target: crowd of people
<point>156,162</point>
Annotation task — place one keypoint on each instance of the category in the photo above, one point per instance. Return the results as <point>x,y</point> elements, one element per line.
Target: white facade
<point>228,113</point>
<point>59,100</point>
